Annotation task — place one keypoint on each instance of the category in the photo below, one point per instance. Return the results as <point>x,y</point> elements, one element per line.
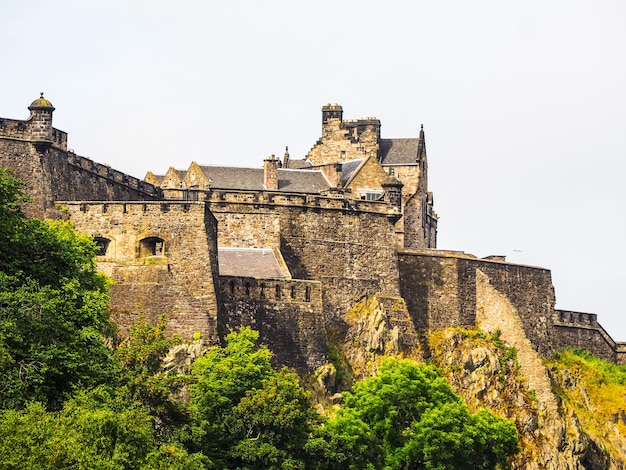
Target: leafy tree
<point>407,417</point>
<point>140,359</point>
<point>248,415</point>
<point>99,429</point>
<point>52,307</point>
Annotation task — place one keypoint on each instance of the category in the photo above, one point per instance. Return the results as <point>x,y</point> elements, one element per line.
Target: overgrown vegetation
<point>67,400</point>
<point>593,387</point>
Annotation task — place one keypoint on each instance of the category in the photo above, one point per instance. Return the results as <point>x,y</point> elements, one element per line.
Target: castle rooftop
<point>251,179</point>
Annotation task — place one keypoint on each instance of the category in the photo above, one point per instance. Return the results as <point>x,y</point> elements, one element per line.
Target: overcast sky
<point>523,104</point>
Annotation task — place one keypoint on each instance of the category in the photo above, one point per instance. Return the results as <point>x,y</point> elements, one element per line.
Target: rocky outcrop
<point>487,373</point>
<point>378,327</point>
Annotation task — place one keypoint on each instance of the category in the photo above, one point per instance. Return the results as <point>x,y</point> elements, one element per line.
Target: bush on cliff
<point>407,416</point>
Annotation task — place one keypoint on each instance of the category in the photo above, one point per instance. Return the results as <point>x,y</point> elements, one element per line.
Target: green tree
<point>97,429</point>
<point>140,359</point>
<point>53,306</point>
<point>248,415</point>
<point>407,417</point>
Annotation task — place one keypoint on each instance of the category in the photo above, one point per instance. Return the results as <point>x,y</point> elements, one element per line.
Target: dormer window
<point>102,244</point>
<point>151,246</point>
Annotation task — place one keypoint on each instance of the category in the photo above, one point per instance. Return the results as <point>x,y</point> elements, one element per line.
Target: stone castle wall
<point>286,313</point>
<point>583,330</point>
<point>450,289</point>
<point>177,277</point>
<point>51,174</point>
<point>349,249</point>
<point>27,131</point>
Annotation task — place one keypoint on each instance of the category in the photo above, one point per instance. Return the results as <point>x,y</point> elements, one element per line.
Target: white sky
<point>523,104</point>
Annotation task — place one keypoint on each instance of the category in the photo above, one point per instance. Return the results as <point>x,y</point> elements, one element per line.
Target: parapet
<point>105,171</point>
<point>15,129</point>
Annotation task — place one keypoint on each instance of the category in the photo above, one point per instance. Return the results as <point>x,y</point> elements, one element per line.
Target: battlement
<point>15,129</point>
<point>268,198</point>
<point>105,171</point>
<point>579,319</point>
<point>134,207</point>
<point>293,291</point>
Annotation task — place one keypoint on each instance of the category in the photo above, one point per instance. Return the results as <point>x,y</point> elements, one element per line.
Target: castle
<point>290,248</point>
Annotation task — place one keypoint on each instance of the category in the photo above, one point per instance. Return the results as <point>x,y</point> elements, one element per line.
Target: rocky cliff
<point>568,415</point>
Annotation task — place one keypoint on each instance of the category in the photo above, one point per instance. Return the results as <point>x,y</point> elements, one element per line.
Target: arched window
<point>102,244</point>
<point>151,246</point>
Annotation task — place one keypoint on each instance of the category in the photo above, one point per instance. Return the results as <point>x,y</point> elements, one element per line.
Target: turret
<point>393,191</point>
<point>40,121</point>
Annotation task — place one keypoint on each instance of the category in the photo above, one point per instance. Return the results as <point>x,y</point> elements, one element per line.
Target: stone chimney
<point>270,173</point>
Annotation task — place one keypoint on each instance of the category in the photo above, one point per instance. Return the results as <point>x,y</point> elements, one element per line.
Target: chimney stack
<point>270,173</point>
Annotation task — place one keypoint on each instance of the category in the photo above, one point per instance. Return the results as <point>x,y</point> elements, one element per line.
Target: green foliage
<point>408,417</point>
<point>594,388</point>
<point>248,415</point>
<point>100,429</point>
<point>140,357</point>
<point>52,307</point>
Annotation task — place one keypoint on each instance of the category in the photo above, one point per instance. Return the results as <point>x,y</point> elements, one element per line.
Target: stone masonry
<point>304,242</point>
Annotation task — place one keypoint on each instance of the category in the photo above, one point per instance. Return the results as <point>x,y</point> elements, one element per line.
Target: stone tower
<point>40,121</point>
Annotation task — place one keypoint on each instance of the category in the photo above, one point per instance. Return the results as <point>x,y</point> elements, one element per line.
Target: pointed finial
<point>422,126</point>
<point>41,94</point>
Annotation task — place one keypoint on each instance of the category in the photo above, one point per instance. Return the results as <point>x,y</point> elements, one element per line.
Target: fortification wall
<point>286,313</point>
<point>440,289</point>
<point>582,330</point>
<point>24,130</point>
<point>162,258</point>
<point>530,292</point>
<point>348,245</point>
<point>52,174</point>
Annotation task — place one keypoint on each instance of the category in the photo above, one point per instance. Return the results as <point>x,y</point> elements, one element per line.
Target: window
<point>370,194</point>
<point>151,246</point>
<point>101,245</point>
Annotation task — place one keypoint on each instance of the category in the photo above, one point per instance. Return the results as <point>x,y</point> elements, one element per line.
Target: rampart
<point>347,245</point>
<point>448,289</point>
<point>51,173</point>
<point>286,313</point>
<point>25,131</point>
<point>583,330</point>
<point>162,257</point>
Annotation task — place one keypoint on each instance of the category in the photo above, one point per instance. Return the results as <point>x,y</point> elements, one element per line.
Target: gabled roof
<point>251,179</point>
<point>348,168</point>
<point>250,262</point>
<point>299,164</point>
<point>398,151</point>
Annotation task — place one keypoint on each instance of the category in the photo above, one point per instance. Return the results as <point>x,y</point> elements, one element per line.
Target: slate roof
<point>348,168</point>
<point>299,164</point>
<point>250,262</point>
<point>251,179</point>
<point>398,151</point>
